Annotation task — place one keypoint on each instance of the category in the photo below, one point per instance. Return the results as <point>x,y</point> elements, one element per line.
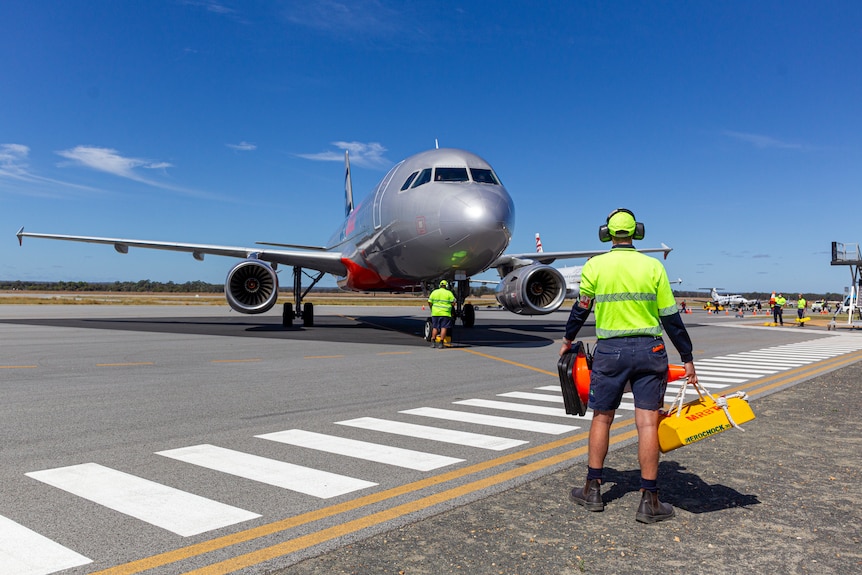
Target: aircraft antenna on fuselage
<point>348,186</point>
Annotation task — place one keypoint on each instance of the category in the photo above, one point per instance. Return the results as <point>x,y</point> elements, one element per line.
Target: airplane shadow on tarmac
<point>680,488</point>
<point>390,330</point>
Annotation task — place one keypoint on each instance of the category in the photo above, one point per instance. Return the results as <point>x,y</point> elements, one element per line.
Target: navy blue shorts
<point>441,321</point>
<point>641,361</point>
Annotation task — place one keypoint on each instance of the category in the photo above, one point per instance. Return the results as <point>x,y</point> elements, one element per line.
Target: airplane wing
<point>550,257</point>
<point>329,262</point>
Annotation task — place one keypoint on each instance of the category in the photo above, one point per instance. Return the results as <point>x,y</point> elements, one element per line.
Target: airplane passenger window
<point>423,178</point>
<point>408,181</point>
<point>451,175</point>
<point>483,176</point>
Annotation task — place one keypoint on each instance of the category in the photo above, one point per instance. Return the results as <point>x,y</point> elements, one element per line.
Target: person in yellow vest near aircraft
<point>633,304</point>
<point>778,309</point>
<point>441,301</point>
<point>800,309</point>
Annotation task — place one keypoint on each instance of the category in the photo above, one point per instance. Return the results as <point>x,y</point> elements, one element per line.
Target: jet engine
<point>251,287</point>
<point>536,289</point>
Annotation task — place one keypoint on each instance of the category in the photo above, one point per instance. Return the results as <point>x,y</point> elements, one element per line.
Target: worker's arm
<point>577,317</point>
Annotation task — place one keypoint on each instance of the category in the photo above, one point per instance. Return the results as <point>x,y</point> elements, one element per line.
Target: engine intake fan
<point>251,287</point>
<point>536,289</point>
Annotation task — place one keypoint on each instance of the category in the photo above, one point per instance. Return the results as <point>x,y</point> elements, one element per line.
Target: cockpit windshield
<point>483,176</point>
<point>451,175</point>
<point>441,174</point>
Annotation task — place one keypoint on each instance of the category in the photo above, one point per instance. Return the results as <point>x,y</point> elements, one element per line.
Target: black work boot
<point>651,510</point>
<point>590,495</point>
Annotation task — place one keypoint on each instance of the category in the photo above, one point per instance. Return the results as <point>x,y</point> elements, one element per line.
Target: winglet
<point>666,249</point>
<point>20,236</point>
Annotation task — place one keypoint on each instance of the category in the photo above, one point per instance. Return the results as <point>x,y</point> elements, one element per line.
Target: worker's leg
<point>600,434</point>
<point>590,495</point>
<point>648,453</point>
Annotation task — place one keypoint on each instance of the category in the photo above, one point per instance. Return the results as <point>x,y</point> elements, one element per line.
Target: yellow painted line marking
<point>522,365</point>
<point>312,539</point>
<point>125,364</point>
<point>17,366</point>
<point>316,538</point>
<point>250,360</point>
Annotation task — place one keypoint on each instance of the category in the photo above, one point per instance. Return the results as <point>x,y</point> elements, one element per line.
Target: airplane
<point>440,214</point>
<point>572,274</point>
<point>729,299</point>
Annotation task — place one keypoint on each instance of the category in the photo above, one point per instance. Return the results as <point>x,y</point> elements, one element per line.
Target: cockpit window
<point>408,181</point>
<point>483,176</point>
<point>451,175</point>
<point>423,178</point>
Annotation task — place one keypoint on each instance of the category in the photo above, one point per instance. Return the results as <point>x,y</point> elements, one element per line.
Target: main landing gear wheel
<point>308,314</point>
<point>469,317</point>
<point>428,329</point>
<point>287,315</point>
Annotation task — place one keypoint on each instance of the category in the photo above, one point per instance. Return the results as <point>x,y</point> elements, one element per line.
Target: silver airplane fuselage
<point>435,215</point>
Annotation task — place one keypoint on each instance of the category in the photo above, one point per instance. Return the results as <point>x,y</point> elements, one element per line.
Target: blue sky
<point>732,129</point>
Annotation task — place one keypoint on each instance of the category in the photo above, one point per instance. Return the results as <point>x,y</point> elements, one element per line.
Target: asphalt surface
<point>116,387</point>
<point>782,497</point>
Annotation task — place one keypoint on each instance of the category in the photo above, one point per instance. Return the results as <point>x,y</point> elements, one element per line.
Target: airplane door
<point>378,196</point>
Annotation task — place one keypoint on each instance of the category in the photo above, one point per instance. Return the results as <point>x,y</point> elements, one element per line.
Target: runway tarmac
<point>278,445</point>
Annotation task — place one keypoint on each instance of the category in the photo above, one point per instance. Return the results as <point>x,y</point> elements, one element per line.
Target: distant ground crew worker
<point>633,302</point>
<point>800,309</point>
<point>441,301</point>
<point>778,309</point>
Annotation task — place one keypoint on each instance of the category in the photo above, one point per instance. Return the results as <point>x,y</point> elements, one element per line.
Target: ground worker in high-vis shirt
<point>441,301</point>
<point>800,309</point>
<point>634,304</point>
<point>778,309</point>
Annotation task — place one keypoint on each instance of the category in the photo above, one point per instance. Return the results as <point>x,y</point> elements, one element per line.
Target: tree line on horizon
<point>146,286</point>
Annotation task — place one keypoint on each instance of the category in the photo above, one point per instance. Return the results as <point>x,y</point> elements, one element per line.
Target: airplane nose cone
<point>478,221</point>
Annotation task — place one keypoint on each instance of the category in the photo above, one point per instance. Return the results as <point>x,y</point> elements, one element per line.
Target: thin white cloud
<point>13,160</point>
<point>242,146</point>
<point>761,141</point>
<point>211,6</point>
<point>15,167</point>
<point>362,17</point>
<point>369,155</point>
<point>109,161</point>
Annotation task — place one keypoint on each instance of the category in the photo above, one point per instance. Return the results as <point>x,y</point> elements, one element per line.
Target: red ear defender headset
<point>605,233</point>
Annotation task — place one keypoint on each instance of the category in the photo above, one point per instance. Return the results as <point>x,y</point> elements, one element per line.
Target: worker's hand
<point>691,376</point>
<point>564,348</point>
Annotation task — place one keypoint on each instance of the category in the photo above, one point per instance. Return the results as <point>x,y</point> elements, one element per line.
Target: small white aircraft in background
<point>572,274</point>
<point>728,299</point>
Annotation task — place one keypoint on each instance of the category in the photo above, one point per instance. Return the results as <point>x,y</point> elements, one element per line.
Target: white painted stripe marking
<point>713,379</point>
<point>495,420</point>
<point>305,480</point>
<point>736,368</point>
<point>674,385</point>
<point>519,407</point>
<point>362,450</point>
<point>25,552</point>
<point>534,396</point>
<point>434,433</point>
<point>171,509</point>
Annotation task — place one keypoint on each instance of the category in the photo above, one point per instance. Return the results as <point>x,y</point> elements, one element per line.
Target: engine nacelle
<point>251,287</point>
<point>535,289</point>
